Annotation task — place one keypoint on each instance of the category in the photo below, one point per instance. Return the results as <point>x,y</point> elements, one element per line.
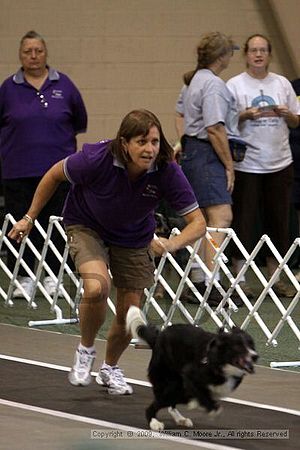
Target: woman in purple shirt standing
<point>41,112</point>
<point>109,218</point>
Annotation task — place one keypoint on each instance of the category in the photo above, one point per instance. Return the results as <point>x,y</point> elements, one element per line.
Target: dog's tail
<point>137,326</point>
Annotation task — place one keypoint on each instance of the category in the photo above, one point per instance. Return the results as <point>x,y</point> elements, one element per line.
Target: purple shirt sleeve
<point>82,167</point>
<point>178,191</point>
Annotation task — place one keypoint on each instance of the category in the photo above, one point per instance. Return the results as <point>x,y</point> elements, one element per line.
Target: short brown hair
<point>246,45</point>
<point>33,35</point>
<point>138,123</point>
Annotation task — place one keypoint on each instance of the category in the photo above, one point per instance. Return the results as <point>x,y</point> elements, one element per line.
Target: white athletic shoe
<point>27,285</point>
<point>80,374</point>
<point>112,378</point>
<point>50,286</point>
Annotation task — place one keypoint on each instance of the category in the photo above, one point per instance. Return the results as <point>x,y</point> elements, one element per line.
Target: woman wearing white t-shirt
<point>267,107</point>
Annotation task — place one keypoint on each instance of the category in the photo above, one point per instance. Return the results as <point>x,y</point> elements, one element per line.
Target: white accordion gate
<point>220,316</point>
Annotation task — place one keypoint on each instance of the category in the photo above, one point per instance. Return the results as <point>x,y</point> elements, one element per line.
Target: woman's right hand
<point>250,114</point>
<point>20,230</point>
<point>230,179</point>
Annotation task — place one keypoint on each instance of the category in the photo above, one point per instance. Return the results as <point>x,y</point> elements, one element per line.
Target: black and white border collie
<point>191,366</point>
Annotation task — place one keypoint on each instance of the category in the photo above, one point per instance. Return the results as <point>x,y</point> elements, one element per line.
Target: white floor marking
<point>111,425</point>
<point>147,384</point>
<point>294,412</point>
<point>104,340</point>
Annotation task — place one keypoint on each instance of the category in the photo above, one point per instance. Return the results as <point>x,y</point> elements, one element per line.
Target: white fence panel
<point>222,315</point>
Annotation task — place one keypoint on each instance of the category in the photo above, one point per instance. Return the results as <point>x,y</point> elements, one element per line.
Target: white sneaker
<point>27,285</point>
<point>80,374</point>
<point>51,286</point>
<point>112,378</point>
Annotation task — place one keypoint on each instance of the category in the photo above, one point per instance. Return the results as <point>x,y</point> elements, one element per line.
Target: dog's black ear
<point>236,329</point>
<point>213,343</point>
<point>222,331</point>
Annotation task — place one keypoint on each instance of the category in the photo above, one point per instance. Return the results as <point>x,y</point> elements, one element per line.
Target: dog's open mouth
<point>245,363</point>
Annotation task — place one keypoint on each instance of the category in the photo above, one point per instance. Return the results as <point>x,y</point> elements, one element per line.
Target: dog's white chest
<point>222,390</point>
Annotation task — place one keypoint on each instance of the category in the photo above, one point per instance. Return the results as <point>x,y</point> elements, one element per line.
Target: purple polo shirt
<point>121,211</point>
<point>38,128</point>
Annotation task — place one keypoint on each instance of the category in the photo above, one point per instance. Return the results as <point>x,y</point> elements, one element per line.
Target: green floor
<point>286,350</point>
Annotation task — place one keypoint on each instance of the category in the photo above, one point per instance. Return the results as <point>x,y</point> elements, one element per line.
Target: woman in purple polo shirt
<point>41,112</point>
<point>109,217</point>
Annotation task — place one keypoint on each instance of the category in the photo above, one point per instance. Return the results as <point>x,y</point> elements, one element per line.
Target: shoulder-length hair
<point>138,123</point>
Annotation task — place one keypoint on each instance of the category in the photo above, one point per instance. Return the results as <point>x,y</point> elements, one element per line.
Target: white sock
<point>197,275</point>
<point>207,279</point>
<point>239,264</point>
<point>87,349</point>
<point>107,366</point>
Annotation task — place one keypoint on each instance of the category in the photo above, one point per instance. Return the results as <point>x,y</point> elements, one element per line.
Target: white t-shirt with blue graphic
<point>267,138</point>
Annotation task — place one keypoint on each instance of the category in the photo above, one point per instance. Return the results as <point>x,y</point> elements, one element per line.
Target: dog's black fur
<point>192,366</point>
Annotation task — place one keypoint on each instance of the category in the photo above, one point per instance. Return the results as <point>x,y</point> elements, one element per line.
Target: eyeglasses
<point>263,51</point>
<point>33,51</point>
<point>42,99</point>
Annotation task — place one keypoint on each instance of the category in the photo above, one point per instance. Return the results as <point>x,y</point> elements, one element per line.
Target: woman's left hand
<point>291,119</point>
<point>282,111</point>
<point>161,245</point>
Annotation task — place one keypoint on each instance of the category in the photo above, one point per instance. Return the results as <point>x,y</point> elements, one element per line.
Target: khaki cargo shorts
<point>131,268</point>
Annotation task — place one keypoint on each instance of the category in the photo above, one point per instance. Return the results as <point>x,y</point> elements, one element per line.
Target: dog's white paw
<point>187,422</point>
<point>193,404</point>
<point>179,418</point>
<point>215,412</point>
<point>156,425</point>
